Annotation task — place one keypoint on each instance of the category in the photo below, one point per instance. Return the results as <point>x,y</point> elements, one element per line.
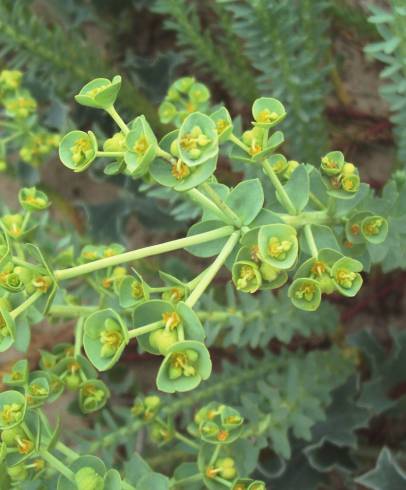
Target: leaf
<point>298,188</point>
<point>246,200</point>
<point>136,468</point>
<point>387,475</point>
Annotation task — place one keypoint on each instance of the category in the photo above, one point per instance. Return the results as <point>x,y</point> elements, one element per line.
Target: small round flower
<point>77,150</point>
<point>141,145</point>
<point>12,409</point>
<point>88,479</point>
<point>20,106</point>
<point>278,163</point>
<point>332,163</point>
<point>224,123</point>
<point>305,293</point>
<point>350,183</point>
<point>185,365</point>
<point>347,279</point>
<point>132,291</point>
<point>10,80</point>
<point>38,146</point>
<point>353,229</point>
<point>374,229</point>
<point>100,93</point>
<point>278,245</point>
<point>267,112</point>
<point>167,112</point>
<point>254,139</point>
<point>104,339</point>
<point>246,276</point>
<point>198,139</point>
<point>93,395</point>
<point>172,317</point>
<point>32,199</point>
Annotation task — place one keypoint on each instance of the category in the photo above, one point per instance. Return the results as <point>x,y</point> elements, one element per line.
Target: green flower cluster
<point>19,125</point>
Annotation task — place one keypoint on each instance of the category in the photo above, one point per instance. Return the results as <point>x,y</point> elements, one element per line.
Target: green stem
<point>143,253</point>
<point>78,337</point>
<point>58,465</point>
<point>11,138</point>
<point>213,269</point>
<point>234,219</point>
<point>66,451</point>
<point>165,155</point>
<point>26,304</point>
<point>24,263</point>
<point>205,203</point>
<point>310,240</point>
<point>310,217</point>
<point>186,440</point>
<point>108,154</point>
<point>224,482</point>
<point>214,455</point>
<point>26,219</point>
<point>286,201</point>
<point>117,118</point>
<point>71,311</point>
<point>135,332</point>
<point>233,138</point>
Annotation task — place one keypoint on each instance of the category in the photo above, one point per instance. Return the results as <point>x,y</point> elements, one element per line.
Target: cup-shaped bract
<point>374,229</point>
<point>346,276</point>
<point>332,163</point>
<point>141,147</point>
<point>267,112</point>
<point>7,329</point>
<point>278,245</point>
<point>224,124</point>
<point>197,140</point>
<point>279,163</point>
<point>38,392</point>
<point>305,293</point>
<point>77,150</point>
<point>132,290</point>
<point>222,425</point>
<point>353,229</point>
<point>32,199</point>
<point>184,367</point>
<point>93,395</point>
<point>18,376</point>
<point>13,405</point>
<point>248,484</point>
<point>246,276</point>
<point>104,339</point>
<point>173,318</point>
<point>100,93</point>
<point>89,473</point>
<point>177,174</point>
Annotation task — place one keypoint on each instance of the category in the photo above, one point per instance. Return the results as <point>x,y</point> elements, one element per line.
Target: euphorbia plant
<point>312,234</point>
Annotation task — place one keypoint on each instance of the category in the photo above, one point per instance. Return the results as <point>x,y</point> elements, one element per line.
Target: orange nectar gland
<point>355,229</point>
<point>329,163</point>
<point>171,320</point>
<point>266,116</point>
<point>79,149</point>
<point>223,435</point>
<point>25,446</point>
<point>277,249</point>
<point>42,283</point>
<point>318,268</point>
<point>345,278</point>
<point>306,292</point>
<point>348,244</point>
<point>141,145</point>
<point>107,282</point>
<point>180,170</point>
<point>211,472</point>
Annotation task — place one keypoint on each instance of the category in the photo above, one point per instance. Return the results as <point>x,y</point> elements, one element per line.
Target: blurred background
<point>339,67</point>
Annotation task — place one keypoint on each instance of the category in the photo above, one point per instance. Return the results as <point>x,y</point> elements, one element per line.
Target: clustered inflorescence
<point>309,230</point>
